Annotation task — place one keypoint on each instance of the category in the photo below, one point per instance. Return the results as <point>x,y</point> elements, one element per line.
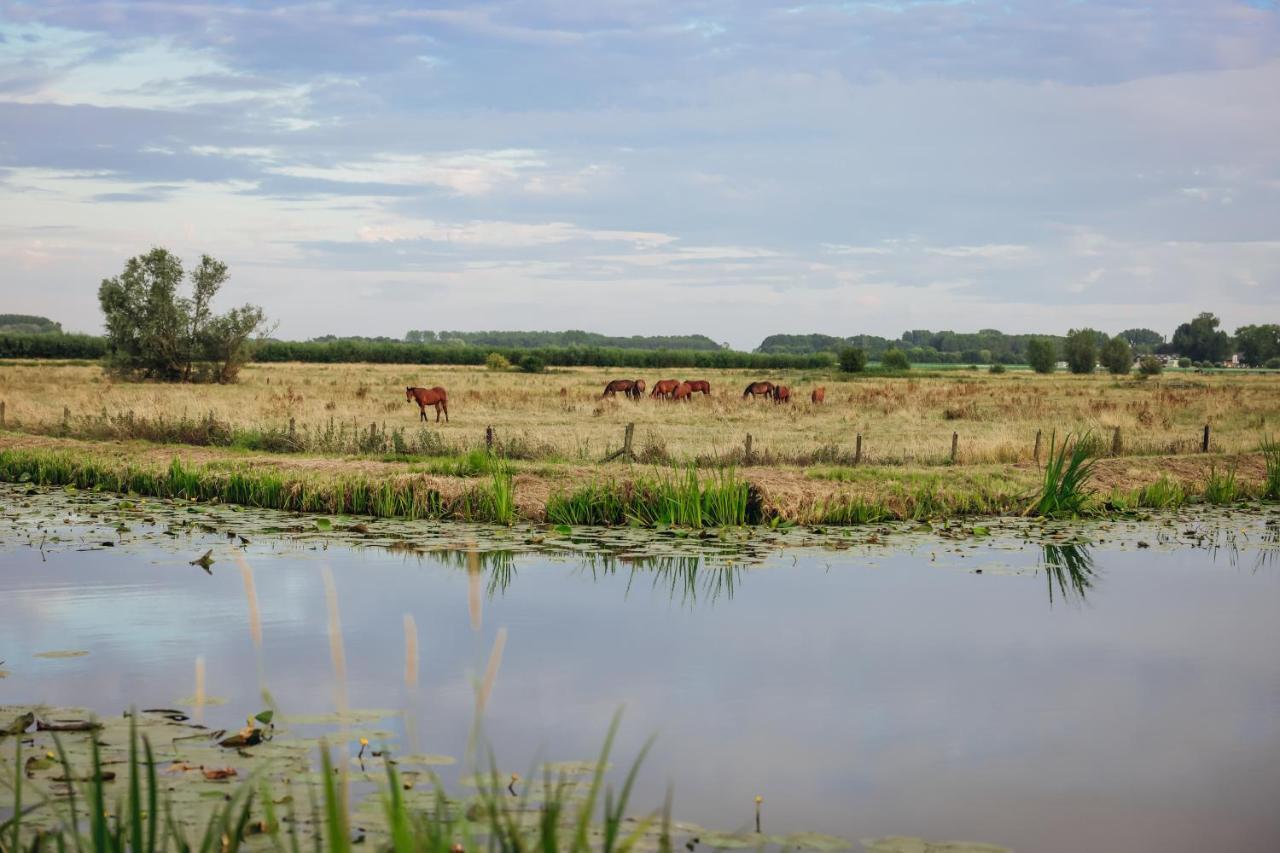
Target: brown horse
<point>700,385</point>
<point>623,385</point>
<point>764,389</point>
<point>429,397</point>
<point>683,391</point>
<point>665,388</point>
<point>819,395</point>
<point>637,390</point>
<point>781,394</point>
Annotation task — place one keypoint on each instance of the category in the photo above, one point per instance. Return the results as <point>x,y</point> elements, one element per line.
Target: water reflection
<point>1069,567</point>
<point>684,577</point>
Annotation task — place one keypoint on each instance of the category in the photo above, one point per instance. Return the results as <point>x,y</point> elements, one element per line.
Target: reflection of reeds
<point>475,606</point>
<point>685,576</point>
<point>491,671</point>
<point>337,652</point>
<point>1069,566</point>
<point>410,651</point>
<point>198,705</point>
<point>251,599</point>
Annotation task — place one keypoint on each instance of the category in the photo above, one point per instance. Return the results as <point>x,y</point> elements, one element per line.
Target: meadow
<point>885,440</point>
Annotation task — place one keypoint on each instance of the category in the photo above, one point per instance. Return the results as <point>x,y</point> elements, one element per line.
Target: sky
<point>730,169</point>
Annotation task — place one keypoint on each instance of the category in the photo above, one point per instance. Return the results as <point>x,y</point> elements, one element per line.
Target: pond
<point>1058,687</point>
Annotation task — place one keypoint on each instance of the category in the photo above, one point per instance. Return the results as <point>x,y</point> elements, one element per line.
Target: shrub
<point>996,368</point>
<point>497,361</point>
<point>1184,362</point>
<point>1117,356</point>
<point>1041,355</point>
<point>895,359</point>
<point>532,363</point>
<point>1150,366</point>
<point>853,359</point>
<point>1272,363</point>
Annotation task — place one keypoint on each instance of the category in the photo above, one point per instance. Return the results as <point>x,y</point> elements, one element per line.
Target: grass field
<point>552,430</point>
<point>559,416</point>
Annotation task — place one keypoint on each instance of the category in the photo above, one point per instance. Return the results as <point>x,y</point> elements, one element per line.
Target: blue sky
<point>734,169</point>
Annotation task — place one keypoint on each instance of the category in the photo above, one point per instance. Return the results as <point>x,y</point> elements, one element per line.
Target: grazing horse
<point>665,388</point>
<point>429,397</point>
<point>700,385</point>
<point>683,391</point>
<point>819,395</point>
<point>764,389</point>
<point>623,385</point>
<point>781,394</point>
<point>636,391</point>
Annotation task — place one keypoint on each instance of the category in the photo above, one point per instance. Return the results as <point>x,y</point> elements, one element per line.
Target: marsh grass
<point>1067,472</point>
<point>1222,488</point>
<point>1271,455</point>
<point>143,818</point>
<point>677,498</point>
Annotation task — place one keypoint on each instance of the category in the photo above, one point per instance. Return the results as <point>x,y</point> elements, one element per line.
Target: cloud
<point>824,167</point>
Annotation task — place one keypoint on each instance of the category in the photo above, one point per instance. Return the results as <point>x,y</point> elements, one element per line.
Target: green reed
<point>1271,456</point>
<point>144,819</point>
<point>1067,472</point>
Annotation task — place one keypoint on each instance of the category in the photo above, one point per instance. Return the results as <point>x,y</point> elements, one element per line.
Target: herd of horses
<point>675,389</point>
<point>664,389</point>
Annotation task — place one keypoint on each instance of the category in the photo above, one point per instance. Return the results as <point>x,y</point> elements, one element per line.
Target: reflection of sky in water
<point>860,700</point>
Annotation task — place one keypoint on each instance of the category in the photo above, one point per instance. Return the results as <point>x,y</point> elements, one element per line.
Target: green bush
<point>1041,355</point>
<point>1081,349</point>
<point>895,359</point>
<point>532,363</point>
<point>996,368</point>
<point>1272,363</point>
<point>853,359</point>
<point>497,361</point>
<point>1150,366</point>
<point>1184,362</point>
<point>1117,356</point>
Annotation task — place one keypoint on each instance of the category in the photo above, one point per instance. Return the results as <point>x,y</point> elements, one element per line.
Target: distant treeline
<point>988,346</point>
<point>388,352</point>
<point>28,324</point>
<point>572,339</point>
<point>51,345</point>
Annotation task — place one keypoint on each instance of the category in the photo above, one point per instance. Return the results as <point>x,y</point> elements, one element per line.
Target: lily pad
<point>907,844</point>
<point>62,654</point>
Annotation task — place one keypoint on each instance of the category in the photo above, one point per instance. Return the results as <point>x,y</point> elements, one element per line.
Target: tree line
<point>157,330</point>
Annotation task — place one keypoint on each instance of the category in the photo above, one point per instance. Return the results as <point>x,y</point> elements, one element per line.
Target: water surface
<point>1096,694</point>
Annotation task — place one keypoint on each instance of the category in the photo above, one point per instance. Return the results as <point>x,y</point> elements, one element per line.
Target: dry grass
<point>559,416</point>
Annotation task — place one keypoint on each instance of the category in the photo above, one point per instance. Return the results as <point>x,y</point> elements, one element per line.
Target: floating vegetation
<point>152,780</point>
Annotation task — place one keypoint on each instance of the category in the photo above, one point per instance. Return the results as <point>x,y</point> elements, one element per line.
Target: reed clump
<point>679,498</point>
<point>1066,476</point>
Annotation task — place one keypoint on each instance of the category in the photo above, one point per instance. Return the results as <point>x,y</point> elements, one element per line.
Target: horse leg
<point>444,406</point>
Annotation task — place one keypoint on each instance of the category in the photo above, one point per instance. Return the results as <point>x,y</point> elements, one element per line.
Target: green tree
<point>532,363</point>
<point>853,359</point>
<point>1257,344</point>
<point>895,359</point>
<point>1081,350</point>
<point>1041,355</point>
<point>1142,340</point>
<point>1201,339</point>
<point>1150,366</point>
<point>155,332</point>
<point>1117,356</point>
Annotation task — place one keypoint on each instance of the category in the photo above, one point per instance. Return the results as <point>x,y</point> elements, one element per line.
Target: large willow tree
<point>155,331</point>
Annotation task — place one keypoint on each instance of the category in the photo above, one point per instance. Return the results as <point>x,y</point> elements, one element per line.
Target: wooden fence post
<point>1,413</point>
<point>488,439</point>
<point>746,451</point>
<point>626,441</point>
<point>1036,453</point>
<point>1115,442</point>
<point>857,452</point>
<point>1204,444</point>
<point>293,431</point>
<point>955,440</point>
